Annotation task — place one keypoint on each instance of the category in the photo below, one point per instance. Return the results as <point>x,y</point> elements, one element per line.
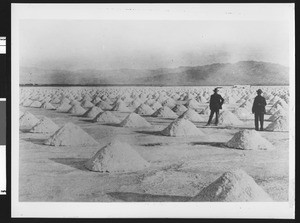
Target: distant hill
<point>244,72</point>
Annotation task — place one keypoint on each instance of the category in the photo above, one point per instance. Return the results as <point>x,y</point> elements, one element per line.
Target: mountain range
<point>240,73</point>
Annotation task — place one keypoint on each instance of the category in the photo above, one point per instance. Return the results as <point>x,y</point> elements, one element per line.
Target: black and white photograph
<point>144,110</point>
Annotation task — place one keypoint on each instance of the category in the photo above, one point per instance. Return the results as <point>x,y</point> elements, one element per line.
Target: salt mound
<point>156,105</point>
<point>48,106</point>
<point>103,105</point>
<point>77,110</point>
<point>179,109</point>
<point>249,140</point>
<point>36,104</point>
<point>164,112</point>
<point>181,127</point>
<point>279,125</point>
<point>87,104</point>
<point>278,113</point>
<point>117,157</point>
<point>106,117</point>
<point>92,112</point>
<point>242,113</point>
<point>71,135</point>
<point>64,107</point>
<point>233,186</point>
<point>144,109</point>
<point>121,106</point>
<point>228,118</point>
<point>45,125</point>
<point>192,115</point>
<point>27,103</point>
<point>28,120</point>
<point>135,121</point>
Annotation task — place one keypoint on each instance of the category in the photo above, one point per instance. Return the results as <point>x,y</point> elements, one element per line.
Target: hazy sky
<point>99,44</point>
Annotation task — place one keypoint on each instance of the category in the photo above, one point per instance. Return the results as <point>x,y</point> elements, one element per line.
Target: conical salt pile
<point>45,125</point>
<point>48,106</point>
<point>106,117</point>
<point>242,113</point>
<point>64,107</point>
<point>156,105</point>
<point>164,112</point>
<point>117,157</point>
<point>181,127</point>
<point>121,107</point>
<point>228,118</point>
<point>27,103</point>
<point>249,140</point>
<point>233,186</point>
<point>92,112</point>
<point>103,105</point>
<point>281,124</point>
<point>179,109</point>
<point>77,110</point>
<point>278,113</point>
<point>28,120</point>
<point>193,116</point>
<point>36,104</point>
<point>135,121</point>
<point>71,135</point>
<point>144,109</point>
<point>87,104</point>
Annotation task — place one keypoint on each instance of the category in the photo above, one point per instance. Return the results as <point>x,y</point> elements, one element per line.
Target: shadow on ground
<point>77,163</point>
<point>215,144</point>
<point>157,133</point>
<point>36,141</point>
<point>137,197</point>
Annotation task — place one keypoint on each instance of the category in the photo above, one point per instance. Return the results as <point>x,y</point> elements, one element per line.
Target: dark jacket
<point>259,105</point>
<point>216,102</point>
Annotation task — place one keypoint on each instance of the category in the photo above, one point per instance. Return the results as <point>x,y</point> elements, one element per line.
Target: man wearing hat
<point>215,104</point>
<point>259,110</point>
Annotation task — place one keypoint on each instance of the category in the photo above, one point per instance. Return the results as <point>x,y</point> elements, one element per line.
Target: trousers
<point>259,117</point>
<point>211,116</point>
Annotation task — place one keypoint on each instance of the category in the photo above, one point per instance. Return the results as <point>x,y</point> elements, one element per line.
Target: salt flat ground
<point>180,167</point>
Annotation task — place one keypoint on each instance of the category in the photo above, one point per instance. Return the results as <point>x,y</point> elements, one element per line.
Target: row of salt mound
<point>116,157</point>
<point>279,125</point>
<point>71,135</point>
<point>106,117</point>
<point>181,127</point>
<point>233,186</point>
<point>249,140</point>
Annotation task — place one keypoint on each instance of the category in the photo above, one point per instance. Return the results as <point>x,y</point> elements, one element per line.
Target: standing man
<point>259,110</point>
<point>215,104</point>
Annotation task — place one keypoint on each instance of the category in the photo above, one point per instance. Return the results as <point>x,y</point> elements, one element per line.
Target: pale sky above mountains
<point>99,44</point>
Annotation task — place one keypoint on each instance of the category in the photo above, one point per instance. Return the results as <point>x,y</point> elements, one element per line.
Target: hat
<point>259,91</point>
<point>216,89</point>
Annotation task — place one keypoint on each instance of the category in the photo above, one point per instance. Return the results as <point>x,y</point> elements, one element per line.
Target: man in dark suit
<point>215,104</point>
<point>259,109</point>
